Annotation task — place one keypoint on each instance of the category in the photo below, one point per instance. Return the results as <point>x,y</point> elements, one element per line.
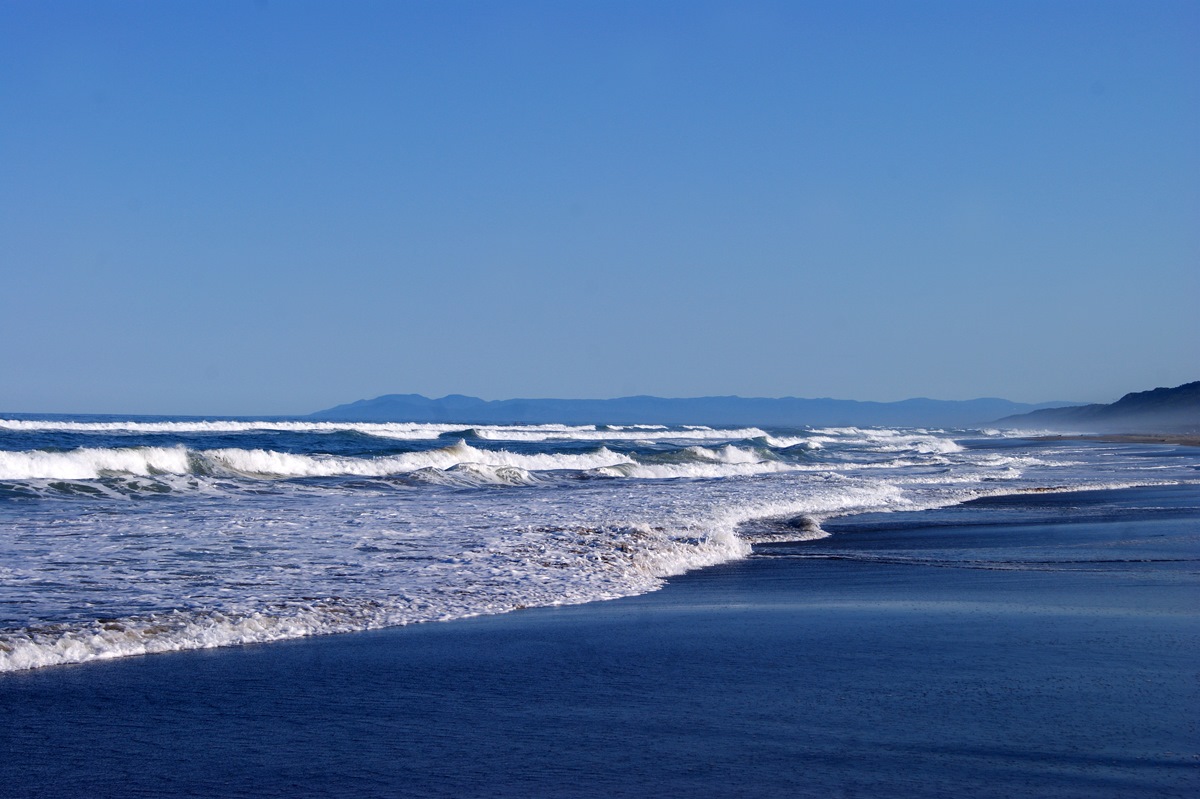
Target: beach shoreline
<point>873,662</point>
<point>1178,439</point>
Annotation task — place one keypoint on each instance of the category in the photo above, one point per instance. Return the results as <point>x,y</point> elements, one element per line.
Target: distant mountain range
<point>1162,410</point>
<point>785,412</point>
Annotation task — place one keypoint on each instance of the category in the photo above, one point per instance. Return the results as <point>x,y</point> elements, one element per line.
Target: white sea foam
<point>402,431</point>
<point>787,442</point>
<point>632,433</point>
<point>725,454</point>
<point>696,462</point>
<point>666,471</point>
<point>541,566</point>
<point>510,568</point>
<point>199,567</point>
<point>579,565</point>
<point>284,464</point>
<point>91,463</point>
<point>887,440</point>
<point>521,568</point>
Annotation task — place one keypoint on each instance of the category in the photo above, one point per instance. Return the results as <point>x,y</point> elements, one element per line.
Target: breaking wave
<point>536,566</point>
<point>92,463</point>
<point>886,440</point>
<point>402,431</point>
<point>95,463</point>
<point>273,532</point>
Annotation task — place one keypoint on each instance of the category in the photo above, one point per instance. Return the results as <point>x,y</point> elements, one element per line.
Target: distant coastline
<point>721,411</point>
<point>1158,413</point>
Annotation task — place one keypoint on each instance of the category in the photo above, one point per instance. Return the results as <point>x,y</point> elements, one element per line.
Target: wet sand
<point>1178,439</point>
<point>1040,646</point>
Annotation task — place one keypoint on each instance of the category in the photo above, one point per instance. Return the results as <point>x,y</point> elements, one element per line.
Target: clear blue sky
<point>238,207</point>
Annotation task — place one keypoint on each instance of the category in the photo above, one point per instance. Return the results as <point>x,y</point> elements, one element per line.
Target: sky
<point>276,207</point>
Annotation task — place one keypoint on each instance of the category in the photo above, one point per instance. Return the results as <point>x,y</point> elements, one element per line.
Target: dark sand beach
<point>1178,439</point>
<point>1031,646</point>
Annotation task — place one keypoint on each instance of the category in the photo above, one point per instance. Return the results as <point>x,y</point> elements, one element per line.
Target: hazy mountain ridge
<point>729,410</point>
<point>1160,410</point>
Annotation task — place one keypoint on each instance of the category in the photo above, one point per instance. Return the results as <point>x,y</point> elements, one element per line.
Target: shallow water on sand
<point>1043,645</point>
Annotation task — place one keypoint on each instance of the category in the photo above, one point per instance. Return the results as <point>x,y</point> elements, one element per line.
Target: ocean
<point>123,537</point>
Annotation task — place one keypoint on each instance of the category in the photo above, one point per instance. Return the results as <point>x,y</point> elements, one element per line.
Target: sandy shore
<point>942,654</point>
<point>1180,439</point>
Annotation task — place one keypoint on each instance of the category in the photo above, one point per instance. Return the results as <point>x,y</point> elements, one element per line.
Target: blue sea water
<point>130,536</point>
